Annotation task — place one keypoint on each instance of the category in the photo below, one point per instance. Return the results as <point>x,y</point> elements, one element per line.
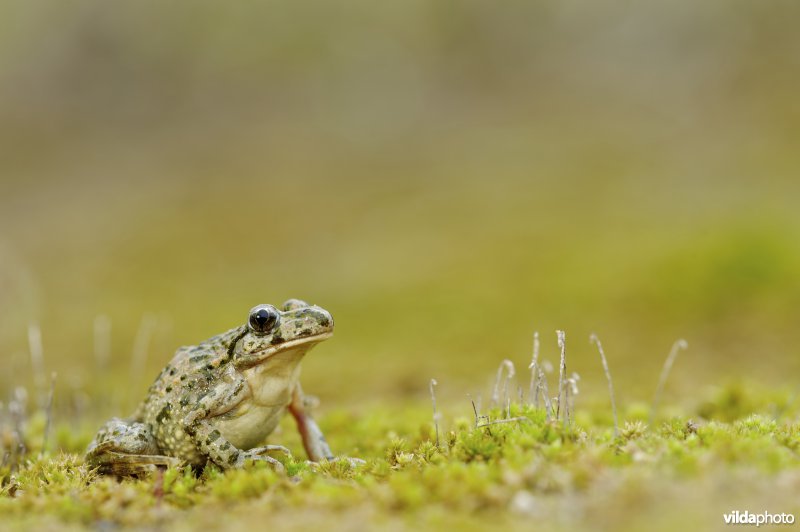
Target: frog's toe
<point>249,457</point>
<point>269,449</point>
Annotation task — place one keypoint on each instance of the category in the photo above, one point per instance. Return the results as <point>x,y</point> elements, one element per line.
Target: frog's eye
<point>264,319</point>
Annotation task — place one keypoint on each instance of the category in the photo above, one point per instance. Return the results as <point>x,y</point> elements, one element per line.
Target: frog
<point>216,402</point>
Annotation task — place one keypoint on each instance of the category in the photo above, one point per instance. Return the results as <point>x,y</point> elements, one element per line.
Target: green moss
<point>576,474</point>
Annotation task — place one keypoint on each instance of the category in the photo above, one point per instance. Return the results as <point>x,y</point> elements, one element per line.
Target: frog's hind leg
<point>133,465</point>
<point>126,449</point>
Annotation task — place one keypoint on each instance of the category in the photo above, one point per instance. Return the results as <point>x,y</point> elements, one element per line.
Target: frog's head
<point>290,332</point>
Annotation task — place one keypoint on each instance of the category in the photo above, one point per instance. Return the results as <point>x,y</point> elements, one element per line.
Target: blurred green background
<point>444,177</point>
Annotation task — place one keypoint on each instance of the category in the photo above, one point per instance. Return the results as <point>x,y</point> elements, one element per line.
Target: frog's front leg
<point>314,442</point>
<point>219,450</point>
<point>210,441</point>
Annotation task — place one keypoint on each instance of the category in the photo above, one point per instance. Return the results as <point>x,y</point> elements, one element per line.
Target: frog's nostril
<point>263,319</point>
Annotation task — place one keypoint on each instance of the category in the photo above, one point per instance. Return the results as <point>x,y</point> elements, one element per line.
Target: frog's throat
<point>253,359</point>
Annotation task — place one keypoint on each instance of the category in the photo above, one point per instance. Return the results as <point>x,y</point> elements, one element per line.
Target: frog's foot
<point>126,448</point>
<point>259,454</point>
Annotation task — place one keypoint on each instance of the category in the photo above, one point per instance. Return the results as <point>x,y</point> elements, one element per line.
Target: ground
<point>737,450</point>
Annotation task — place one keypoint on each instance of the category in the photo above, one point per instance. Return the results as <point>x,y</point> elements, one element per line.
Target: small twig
<point>533,391</point>
<point>507,420</point>
<point>562,369</point>
<point>595,340</point>
<point>673,354</point>
<point>477,409</point>
<point>435,413</point>
<point>48,414</point>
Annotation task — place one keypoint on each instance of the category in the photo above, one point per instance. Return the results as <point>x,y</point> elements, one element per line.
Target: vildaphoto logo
<point>764,518</point>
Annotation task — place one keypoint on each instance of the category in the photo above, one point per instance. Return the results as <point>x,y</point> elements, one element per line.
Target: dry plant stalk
<point>548,407</point>
<point>570,391</point>
<point>37,357</point>
<point>562,370</point>
<point>435,413</point>
<point>509,367</point>
<point>48,414</point>
<point>499,421</point>
<point>533,392</point>
<point>673,354</point>
<point>474,409</point>
<point>595,340</point>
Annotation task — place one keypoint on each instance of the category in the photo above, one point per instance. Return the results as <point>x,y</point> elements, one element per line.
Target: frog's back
<point>185,376</point>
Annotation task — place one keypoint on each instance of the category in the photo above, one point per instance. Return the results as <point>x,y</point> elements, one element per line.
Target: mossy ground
<point>737,449</point>
<point>444,179</point>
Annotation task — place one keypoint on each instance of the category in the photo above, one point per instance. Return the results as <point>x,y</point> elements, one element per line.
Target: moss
<point>568,476</point>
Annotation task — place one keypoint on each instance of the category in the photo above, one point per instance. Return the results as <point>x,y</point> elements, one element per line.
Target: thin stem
<point>595,340</point>
<point>509,367</point>
<point>435,413</point>
<point>533,392</point>
<point>37,358</point>
<point>673,354</point>
<point>48,414</point>
<point>498,421</point>
<point>548,407</point>
<point>562,370</point>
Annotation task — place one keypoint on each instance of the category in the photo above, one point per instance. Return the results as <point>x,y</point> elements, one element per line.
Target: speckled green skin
<point>217,400</point>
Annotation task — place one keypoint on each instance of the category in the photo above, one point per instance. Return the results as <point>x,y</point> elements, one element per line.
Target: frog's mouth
<point>298,347</point>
